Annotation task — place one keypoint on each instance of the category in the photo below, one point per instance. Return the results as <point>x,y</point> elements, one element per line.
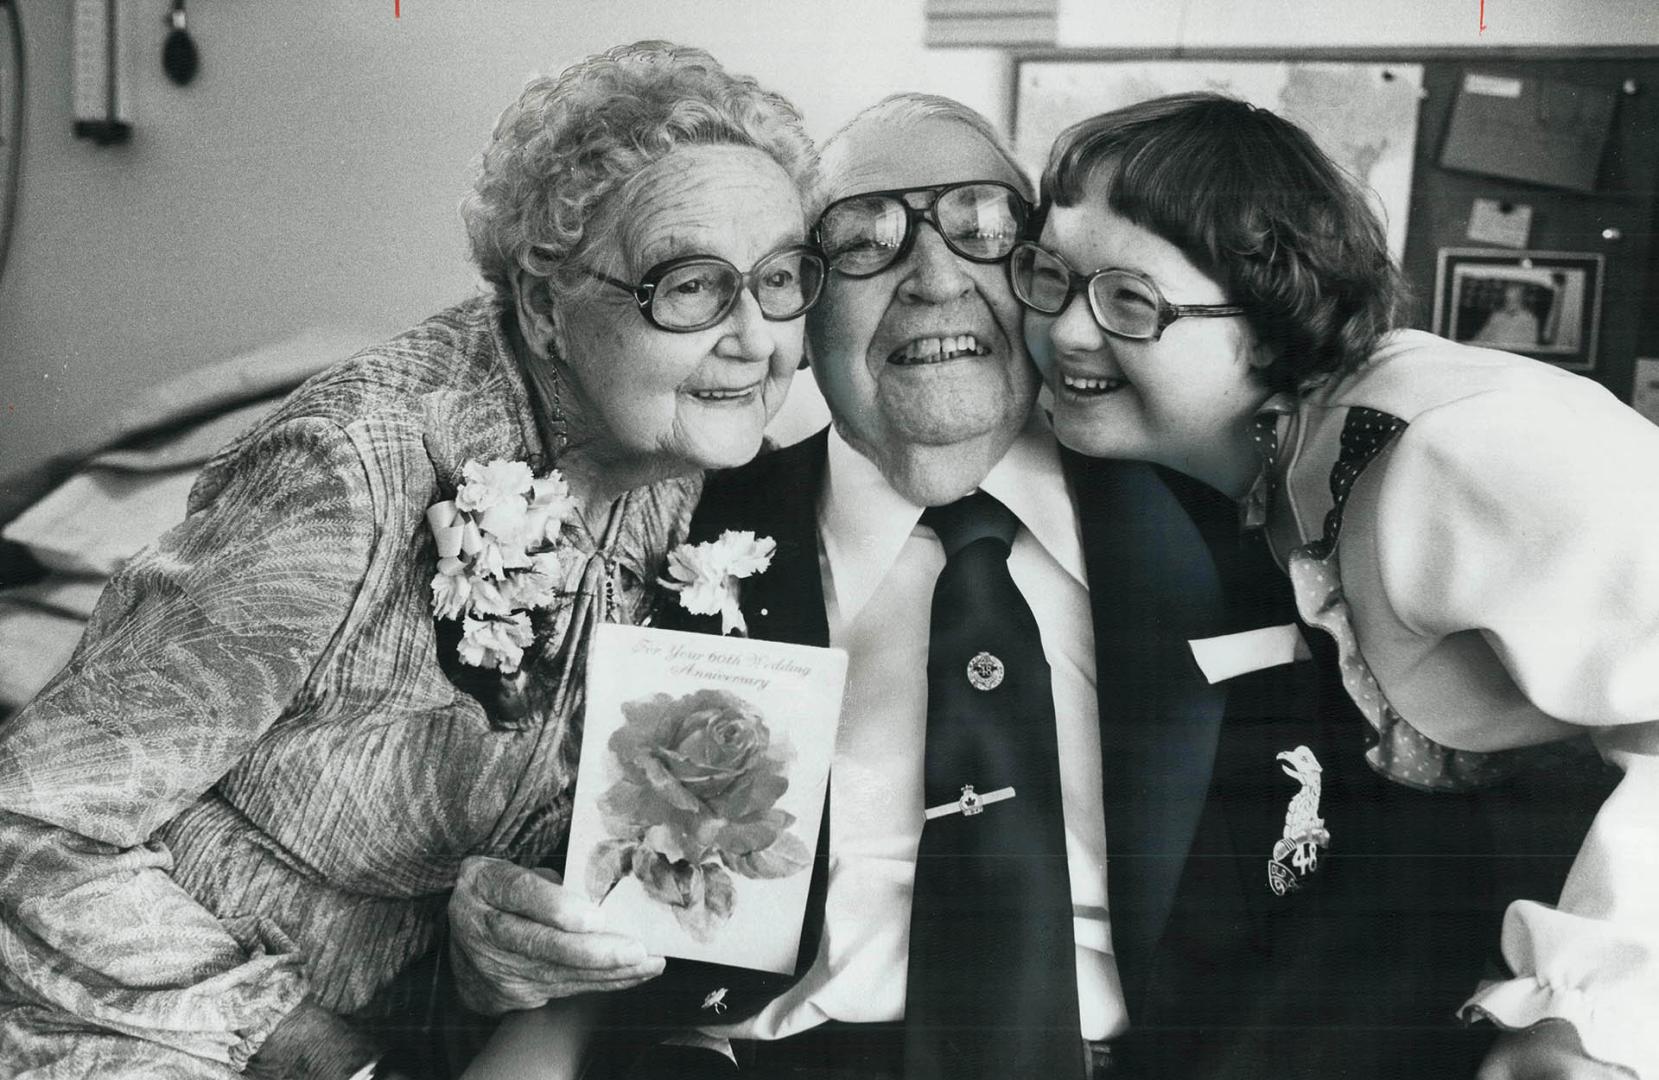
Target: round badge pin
<point>985,672</point>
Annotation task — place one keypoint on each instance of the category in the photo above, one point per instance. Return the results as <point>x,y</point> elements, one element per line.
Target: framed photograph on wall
<point>1543,304</point>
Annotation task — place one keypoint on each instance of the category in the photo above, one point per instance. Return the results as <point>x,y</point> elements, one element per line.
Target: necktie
<point>992,987</point>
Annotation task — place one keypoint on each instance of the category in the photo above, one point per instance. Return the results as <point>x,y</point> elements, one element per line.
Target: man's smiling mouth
<point>934,350</point>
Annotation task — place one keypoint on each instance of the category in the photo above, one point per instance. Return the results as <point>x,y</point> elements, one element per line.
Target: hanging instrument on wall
<point>101,107</point>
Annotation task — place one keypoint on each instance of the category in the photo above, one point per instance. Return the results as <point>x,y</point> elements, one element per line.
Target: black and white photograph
<point>1542,304</point>
<point>829,540</point>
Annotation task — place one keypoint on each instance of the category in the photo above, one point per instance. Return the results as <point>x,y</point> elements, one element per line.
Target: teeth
<point>1087,385</point>
<point>720,395</point>
<point>935,349</point>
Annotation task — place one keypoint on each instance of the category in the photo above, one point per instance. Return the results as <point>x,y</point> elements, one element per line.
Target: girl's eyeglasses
<point>1122,302</point>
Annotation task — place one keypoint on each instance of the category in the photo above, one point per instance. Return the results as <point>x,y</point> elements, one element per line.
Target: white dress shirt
<point>878,568</point>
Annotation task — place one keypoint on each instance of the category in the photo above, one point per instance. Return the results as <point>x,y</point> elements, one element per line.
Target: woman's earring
<point>534,302</point>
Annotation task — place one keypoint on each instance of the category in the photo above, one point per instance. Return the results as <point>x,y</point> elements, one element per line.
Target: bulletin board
<point>1545,160</point>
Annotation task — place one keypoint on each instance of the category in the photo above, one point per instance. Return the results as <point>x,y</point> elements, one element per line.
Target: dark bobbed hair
<point>1251,201</point>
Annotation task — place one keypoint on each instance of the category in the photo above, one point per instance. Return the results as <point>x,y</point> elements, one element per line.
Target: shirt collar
<point>1029,481</point>
<point>864,523</point>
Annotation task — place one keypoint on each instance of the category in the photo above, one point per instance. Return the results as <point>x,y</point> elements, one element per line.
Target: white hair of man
<point>911,107</point>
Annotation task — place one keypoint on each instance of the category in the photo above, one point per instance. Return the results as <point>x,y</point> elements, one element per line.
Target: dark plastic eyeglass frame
<point>929,214</point>
<point>645,292</point>
<point>1081,283</point>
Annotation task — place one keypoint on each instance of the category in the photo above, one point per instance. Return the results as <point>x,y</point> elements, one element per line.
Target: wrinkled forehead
<point>883,154</point>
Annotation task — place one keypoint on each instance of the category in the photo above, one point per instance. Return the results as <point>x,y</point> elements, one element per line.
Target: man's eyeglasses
<point>980,220</point>
<point>1122,302</point>
<point>695,292</point>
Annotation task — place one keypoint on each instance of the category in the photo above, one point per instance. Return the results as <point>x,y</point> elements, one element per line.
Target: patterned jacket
<point>255,781</point>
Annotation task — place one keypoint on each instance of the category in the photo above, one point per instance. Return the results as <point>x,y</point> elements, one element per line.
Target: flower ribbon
<point>499,557</point>
<point>706,575</point>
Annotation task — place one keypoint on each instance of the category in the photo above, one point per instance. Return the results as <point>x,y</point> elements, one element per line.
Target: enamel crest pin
<point>1296,855</point>
<point>985,671</point>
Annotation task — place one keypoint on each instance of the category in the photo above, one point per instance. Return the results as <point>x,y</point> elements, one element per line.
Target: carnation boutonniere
<point>496,561</point>
<point>706,575</point>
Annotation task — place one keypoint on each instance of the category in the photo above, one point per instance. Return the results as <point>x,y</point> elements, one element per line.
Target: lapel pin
<point>970,803</point>
<point>985,672</point>
<point>716,1000</point>
<point>1296,855</point>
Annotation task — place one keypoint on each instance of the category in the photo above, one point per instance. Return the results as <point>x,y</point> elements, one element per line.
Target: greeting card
<point>700,792</point>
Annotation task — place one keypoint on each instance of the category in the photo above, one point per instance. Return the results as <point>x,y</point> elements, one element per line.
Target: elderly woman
<point>1476,533</point>
<point>230,827</point>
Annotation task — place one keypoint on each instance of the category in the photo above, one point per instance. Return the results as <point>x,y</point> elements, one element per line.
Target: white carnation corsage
<point>495,557</point>
<point>706,575</point>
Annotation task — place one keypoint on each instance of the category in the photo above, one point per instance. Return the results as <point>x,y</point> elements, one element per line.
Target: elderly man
<point>920,356</point>
<point>1047,854</point>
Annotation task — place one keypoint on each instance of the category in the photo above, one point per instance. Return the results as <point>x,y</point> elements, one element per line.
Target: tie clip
<point>971,802</point>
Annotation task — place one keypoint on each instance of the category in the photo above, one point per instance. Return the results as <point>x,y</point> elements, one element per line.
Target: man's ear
<point>533,303</point>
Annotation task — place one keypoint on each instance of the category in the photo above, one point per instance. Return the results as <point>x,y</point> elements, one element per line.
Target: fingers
<point>531,938</point>
<point>518,995</point>
<point>623,980</point>
<point>536,895</point>
<point>590,951</point>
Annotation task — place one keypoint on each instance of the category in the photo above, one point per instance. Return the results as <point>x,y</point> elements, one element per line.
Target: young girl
<point>1477,532</point>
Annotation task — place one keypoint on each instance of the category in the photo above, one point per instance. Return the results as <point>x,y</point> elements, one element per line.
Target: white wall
<point>311,173</point>
<point>1121,24</point>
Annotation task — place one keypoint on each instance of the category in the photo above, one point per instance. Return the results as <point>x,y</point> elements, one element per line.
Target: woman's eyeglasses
<point>980,220</point>
<point>1122,302</point>
<point>695,292</point>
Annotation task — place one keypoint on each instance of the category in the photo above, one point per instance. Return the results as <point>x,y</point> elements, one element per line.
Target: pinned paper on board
<point>1540,131</point>
<point>1497,221</point>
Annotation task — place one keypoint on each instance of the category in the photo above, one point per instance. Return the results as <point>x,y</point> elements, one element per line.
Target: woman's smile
<point>721,396</point>
<point>1088,386</point>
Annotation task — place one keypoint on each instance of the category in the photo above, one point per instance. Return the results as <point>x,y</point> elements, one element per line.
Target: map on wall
<point>1363,115</point>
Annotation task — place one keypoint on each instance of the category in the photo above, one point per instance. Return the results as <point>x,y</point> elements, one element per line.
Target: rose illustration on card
<point>701,774</point>
<point>700,791</point>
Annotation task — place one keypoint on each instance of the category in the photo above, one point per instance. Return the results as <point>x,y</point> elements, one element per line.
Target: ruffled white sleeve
<point>1532,519</point>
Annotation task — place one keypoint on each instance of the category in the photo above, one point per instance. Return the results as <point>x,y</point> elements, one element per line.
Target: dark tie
<point>992,989</point>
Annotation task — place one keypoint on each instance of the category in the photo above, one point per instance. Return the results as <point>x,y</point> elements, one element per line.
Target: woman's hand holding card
<point>519,938</point>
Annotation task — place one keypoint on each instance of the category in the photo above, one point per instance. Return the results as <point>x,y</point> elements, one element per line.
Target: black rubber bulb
<point>179,58</point>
